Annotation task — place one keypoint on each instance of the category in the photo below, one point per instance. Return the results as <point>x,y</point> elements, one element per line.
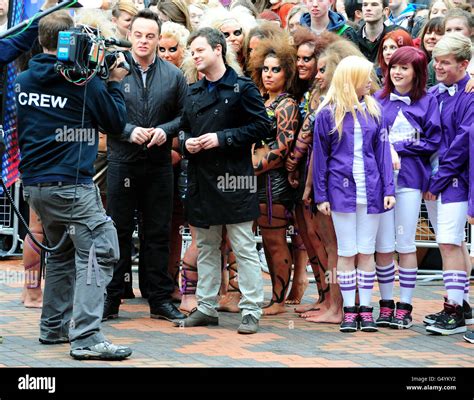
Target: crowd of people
<point>328,122</point>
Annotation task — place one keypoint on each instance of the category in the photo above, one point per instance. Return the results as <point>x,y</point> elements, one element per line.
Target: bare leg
<point>332,301</point>
<point>274,239</point>
<point>300,281</point>
<point>32,296</point>
<point>176,242</point>
<point>317,256</point>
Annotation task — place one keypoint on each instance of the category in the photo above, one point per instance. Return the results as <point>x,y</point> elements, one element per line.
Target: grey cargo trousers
<point>78,273</point>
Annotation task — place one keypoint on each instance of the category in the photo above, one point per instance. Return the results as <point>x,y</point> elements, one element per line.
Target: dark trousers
<point>148,188</point>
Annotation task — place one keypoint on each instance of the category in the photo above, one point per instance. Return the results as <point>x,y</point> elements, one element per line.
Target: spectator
<point>391,42</point>
<point>402,14</point>
<point>174,11</point>
<point>321,18</point>
<point>122,14</point>
<point>432,32</point>
<point>373,29</point>
<point>294,17</point>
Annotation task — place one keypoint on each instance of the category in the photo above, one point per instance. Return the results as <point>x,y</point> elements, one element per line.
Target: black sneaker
<point>166,311</point>
<point>387,308</point>
<point>402,318</point>
<point>111,308</point>
<point>467,313</point>
<point>469,337</point>
<point>102,351</point>
<point>449,322</point>
<point>349,322</point>
<point>249,325</point>
<point>366,319</point>
<point>431,318</point>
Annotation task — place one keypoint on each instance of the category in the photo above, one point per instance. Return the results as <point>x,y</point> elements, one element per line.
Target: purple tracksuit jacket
<point>333,180</point>
<point>423,115</point>
<point>457,118</point>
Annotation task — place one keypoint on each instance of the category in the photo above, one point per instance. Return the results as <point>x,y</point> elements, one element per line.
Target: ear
<point>219,49</point>
<point>386,12</point>
<point>464,64</point>
<point>358,15</point>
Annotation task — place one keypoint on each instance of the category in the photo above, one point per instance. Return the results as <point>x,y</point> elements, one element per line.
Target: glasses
<point>237,32</point>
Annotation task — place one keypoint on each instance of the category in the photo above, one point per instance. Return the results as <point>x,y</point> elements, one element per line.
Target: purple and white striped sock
<point>347,282</point>
<point>386,279</point>
<point>466,289</point>
<point>407,278</point>
<point>455,284</point>
<point>365,284</point>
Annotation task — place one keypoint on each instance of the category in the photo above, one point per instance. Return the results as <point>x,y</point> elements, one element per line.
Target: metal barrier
<point>425,238</point>
<point>9,221</point>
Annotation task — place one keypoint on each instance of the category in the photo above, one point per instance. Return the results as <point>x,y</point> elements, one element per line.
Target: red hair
<point>400,37</point>
<point>415,57</point>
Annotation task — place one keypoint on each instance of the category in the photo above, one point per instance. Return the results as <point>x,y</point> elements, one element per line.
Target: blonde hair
<point>96,19</point>
<point>351,74</point>
<point>448,3</point>
<point>124,5</point>
<point>337,51</point>
<point>216,17</point>
<point>456,44</point>
<point>175,31</point>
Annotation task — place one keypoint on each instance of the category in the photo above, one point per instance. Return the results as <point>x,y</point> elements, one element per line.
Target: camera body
<point>84,53</point>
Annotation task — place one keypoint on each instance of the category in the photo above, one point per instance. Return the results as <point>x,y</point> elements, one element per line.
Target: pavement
<point>285,340</point>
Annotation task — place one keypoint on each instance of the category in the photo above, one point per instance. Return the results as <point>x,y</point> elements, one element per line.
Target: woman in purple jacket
<point>353,181</point>
<point>412,119</point>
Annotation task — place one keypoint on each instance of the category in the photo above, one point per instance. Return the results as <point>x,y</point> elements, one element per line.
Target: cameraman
<point>58,125</point>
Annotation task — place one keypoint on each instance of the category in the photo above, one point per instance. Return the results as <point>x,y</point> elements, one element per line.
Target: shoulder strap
<point>343,29</point>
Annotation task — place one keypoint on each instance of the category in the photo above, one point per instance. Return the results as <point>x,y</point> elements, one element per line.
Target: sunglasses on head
<point>237,32</point>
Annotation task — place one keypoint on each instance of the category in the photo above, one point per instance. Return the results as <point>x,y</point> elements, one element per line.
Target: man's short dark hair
<point>50,26</point>
<point>213,37</point>
<point>385,4</point>
<point>146,13</point>
<point>351,7</point>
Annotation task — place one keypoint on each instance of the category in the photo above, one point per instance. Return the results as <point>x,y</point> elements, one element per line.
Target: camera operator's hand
<point>48,4</point>
<point>158,137</point>
<point>140,135</point>
<point>118,73</point>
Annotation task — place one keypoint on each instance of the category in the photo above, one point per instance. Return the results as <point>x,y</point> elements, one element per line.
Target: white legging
<point>355,232</point>
<point>448,220</point>
<point>397,228</point>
